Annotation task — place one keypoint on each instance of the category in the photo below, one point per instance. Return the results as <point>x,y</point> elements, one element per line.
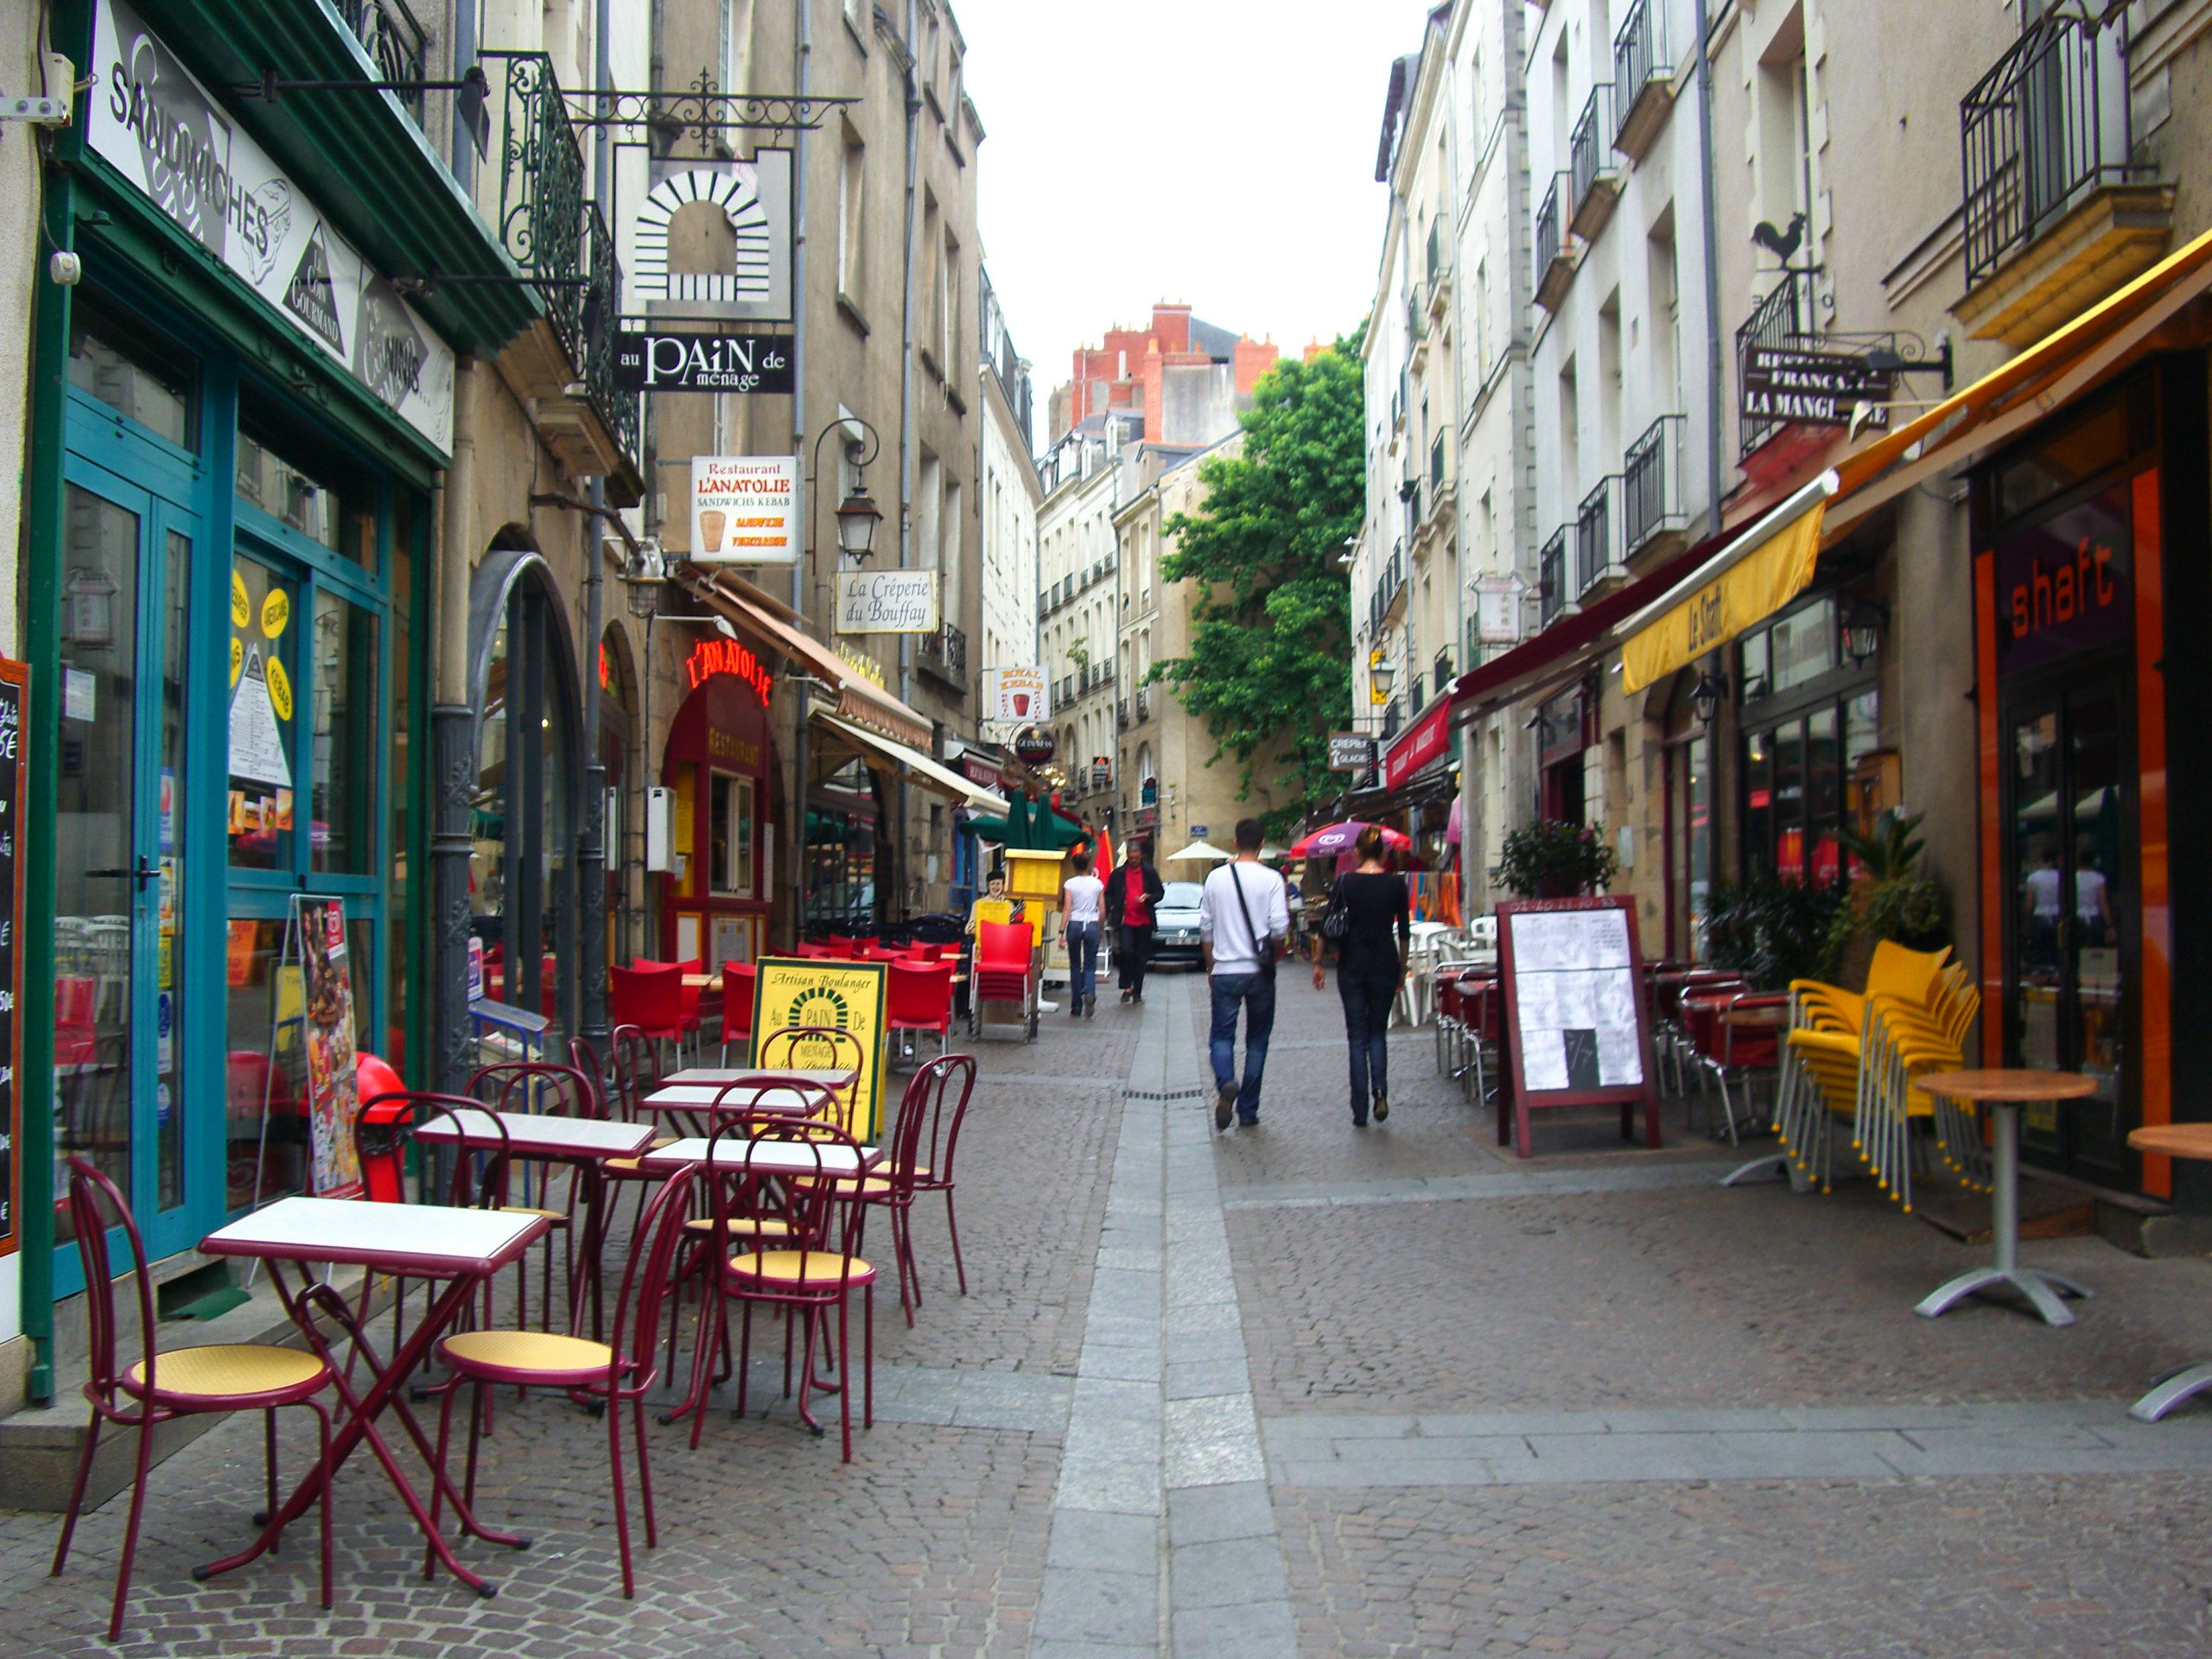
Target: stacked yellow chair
<point>1821,1060</point>
<point>1905,1041</point>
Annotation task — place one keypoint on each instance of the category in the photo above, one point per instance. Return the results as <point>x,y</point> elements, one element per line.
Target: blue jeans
<point>1255,995</point>
<point>1367,999</point>
<point>1083,963</point>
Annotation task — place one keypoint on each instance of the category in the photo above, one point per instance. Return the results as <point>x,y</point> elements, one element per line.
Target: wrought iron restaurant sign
<point>645,362</point>
<point>157,127</point>
<point>1812,388</point>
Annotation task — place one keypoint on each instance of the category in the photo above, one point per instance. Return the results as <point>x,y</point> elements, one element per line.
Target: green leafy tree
<point>1267,670</point>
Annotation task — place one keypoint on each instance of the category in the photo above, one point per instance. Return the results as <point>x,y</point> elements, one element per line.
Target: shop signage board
<point>848,995</point>
<point>1426,738</point>
<point>157,126</point>
<point>15,691</point>
<point>745,509</point>
<point>2067,585</point>
<point>702,362</point>
<point>1035,745</point>
<point>1351,751</point>
<point>1813,388</point>
<point>1497,610</point>
<point>754,199</point>
<point>1576,1031</point>
<point>1017,694</point>
<point>888,601</point>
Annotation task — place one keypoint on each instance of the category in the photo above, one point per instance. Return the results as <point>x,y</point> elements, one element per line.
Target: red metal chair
<point>1005,972</point>
<point>383,1127</point>
<point>1741,1052</point>
<point>184,1381</point>
<point>546,1089</point>
<point>920,999</point>
<point>618,1371</point>
<point>738,981</point>
<point>922,1142</point>
<point>648,995</point>
<point>814,1273</point>
<point>816,1048</point>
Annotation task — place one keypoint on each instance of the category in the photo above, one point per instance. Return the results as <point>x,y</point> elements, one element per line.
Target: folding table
<point>431,1241</point>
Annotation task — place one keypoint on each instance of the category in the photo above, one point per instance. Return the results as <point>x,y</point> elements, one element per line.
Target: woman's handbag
<point>1337,922</point>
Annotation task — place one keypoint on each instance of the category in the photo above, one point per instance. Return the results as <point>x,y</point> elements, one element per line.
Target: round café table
<point>2003,1092</point>
<point>2173,1141</point>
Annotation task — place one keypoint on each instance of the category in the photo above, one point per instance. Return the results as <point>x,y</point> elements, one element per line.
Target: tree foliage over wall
<point>1268,669</point>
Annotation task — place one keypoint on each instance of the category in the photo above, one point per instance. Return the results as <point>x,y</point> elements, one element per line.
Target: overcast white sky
<point>1217,152</point>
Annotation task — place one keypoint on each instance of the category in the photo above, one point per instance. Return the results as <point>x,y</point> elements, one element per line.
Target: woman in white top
<point>1082,907</point>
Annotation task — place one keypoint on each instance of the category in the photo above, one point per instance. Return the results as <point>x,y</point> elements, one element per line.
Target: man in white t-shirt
<point>1243,917</point>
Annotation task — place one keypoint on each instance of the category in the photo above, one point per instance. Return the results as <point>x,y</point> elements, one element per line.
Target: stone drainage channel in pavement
<point>1163,1536</point>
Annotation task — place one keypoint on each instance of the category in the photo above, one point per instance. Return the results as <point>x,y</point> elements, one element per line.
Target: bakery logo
<point>388,350</point>
<point>311,297</point>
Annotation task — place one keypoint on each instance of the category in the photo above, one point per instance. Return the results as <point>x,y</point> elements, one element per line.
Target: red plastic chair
<point>648,995</point>
<point>1005,972</point>
<point>160,1388</point>
<point>75,1030</point>
<point>618,1371</point>
<point>738,981</point>
<point>921,999</point>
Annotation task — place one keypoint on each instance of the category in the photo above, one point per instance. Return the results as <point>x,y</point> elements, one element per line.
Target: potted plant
<point>1889,900</point>
<point>1771,930</point>
<point>1554,859</point>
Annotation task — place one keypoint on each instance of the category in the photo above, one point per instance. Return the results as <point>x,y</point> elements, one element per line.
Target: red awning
<point>1567,647</point>
<point>1419,744</point>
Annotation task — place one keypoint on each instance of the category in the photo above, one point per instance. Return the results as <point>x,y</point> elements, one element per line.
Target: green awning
<point>358,153</point>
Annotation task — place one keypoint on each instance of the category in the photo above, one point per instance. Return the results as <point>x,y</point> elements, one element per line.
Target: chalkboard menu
<point>1576,1025</point>
<point>14,683</point>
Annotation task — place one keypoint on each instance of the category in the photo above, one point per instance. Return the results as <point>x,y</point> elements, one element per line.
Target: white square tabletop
<point>532,1135</point>
<point>714,1077</point>
<point>759,1157</point>
<point>425,1240</point>
<point>698,1098</point>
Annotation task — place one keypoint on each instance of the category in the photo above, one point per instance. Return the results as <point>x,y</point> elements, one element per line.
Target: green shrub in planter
<point>1554,859</point>
<point>1772,931</point>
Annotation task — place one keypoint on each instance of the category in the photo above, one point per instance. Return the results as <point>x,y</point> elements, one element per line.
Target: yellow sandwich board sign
<point>848,995</point>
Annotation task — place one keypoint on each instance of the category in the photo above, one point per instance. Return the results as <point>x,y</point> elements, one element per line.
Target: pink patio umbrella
<point>1337,838</point>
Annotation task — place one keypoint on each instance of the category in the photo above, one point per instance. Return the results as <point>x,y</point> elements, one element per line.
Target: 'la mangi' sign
<point>679,362</point>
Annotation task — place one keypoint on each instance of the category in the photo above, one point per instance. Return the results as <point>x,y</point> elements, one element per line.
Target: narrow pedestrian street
<point>1310,1389</point>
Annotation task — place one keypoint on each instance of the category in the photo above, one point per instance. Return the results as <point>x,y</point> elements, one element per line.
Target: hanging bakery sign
<point>702,362</point>
<point>713,239</point>
<point>151,121</point>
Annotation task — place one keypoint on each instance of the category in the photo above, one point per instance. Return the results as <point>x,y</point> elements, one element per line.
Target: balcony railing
<point>1597,535</point>
<point>1555,247</point>
<point>1783,315</point>
<point>1590,149</point>
<point>1651,485</point>
<point>396,43</point>
<point>1144,704</point>
<point>557,235</point>
<point>1644,78</point>
<point>1393,717</point>
<point>1389,582</point>
<point>1121,714</point>
<point>2047,124</point>
<point>1551,577</point>
<point>945,651</point>
<point>1418,698</point>
<point>1442,675</point>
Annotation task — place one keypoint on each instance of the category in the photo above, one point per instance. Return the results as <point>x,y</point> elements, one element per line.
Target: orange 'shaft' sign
<point>2046,595</point>
<point>712,656</point>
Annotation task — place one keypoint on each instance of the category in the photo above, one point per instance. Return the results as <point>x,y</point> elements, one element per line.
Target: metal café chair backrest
<point>645,1280</point>
<point>814,1194</point>
<point>387,1123</point>
<point>767,1095</point>
<point>814,1048</point>
<point>542,1087</point>
<point>634,1071</point>
<point>927,1135</point>
<point>583,1056</point>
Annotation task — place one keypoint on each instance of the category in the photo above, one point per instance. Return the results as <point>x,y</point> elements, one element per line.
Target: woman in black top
<point>1370,962</point>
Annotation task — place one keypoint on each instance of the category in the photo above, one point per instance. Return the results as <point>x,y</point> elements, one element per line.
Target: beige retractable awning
<point>778,628</point>
<point>928,773</point>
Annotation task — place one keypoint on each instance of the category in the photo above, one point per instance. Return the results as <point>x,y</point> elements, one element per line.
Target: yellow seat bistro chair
<point>1902,1043</point>
<point>1820,1060</point>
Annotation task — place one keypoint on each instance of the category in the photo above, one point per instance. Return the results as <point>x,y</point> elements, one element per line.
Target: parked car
<point>1175,920</point>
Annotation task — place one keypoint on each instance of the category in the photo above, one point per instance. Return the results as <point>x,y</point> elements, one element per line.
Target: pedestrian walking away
<point>1132,891</point>
<point>1243,919</point>
<point>1082,899</point>
<point>1370,923</point>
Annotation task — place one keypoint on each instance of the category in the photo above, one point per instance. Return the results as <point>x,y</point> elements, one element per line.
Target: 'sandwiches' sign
<point>152,121</point>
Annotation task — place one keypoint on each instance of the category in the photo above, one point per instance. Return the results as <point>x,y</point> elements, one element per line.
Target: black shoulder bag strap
<point>1262,943</point>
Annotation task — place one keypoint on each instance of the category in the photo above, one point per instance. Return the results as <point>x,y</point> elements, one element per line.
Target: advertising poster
<point>745,509</point>
<point>846,995</point>
<point>332,1094</point>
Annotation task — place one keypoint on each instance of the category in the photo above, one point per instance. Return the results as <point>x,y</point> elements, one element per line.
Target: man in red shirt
<point>1131,893</point>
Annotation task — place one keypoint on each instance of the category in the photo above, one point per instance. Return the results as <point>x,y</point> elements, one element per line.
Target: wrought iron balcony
<point>559,237</point>
<point>1442,674</point>
<point>1596,537</point>
<point>1144,704</point>
<point>1390,588</point>
<point>945,654</point>
<point>1418,698</point>
<point>1554,244</point>
<point>1551,577</point>
<point>1651,486</point>
<point>1597,179</point>
<point>1644,78</point>
<point>1121,714</point>
<point>1785,314</point>
<point>396,43</point>
<point>1393,717</point>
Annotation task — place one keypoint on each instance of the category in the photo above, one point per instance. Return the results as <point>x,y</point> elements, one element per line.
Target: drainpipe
<point>1710,213</point>
<point>452,749</point>
<point>804,52</point>
<point>591,844</point>
<point>907,412</point>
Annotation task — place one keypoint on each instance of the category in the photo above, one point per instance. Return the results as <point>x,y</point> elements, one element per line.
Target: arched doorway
<point>522,822</point>
<point>719,761</point>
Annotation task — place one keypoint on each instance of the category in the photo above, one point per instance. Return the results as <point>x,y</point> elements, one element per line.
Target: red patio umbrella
<point>1337,838</point>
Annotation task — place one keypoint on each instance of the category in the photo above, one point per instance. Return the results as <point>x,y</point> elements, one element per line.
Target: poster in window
<point>14,683</point>
<point>333,1096</point>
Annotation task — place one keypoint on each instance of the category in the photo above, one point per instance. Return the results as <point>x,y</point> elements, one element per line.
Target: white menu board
<point>1575,1007</point>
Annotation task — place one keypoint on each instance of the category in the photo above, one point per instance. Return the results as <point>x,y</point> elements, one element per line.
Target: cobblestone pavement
<point>1309,1390</point>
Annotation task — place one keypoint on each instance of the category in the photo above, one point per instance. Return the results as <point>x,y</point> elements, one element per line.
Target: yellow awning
<point>1775,565</point>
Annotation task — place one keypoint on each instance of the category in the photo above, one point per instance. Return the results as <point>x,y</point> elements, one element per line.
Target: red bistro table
<point>433,1242</point>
